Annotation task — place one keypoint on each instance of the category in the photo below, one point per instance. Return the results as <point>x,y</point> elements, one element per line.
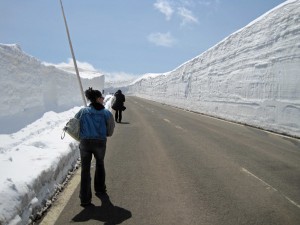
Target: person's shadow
<point>107,213</point>
<point>124,122</point>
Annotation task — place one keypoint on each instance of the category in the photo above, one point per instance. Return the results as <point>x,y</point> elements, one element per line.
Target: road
<point>167,166</point>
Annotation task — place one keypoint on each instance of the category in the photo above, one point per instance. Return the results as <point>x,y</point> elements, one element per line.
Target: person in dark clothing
<point>96,124</point>
<point>118,105</point>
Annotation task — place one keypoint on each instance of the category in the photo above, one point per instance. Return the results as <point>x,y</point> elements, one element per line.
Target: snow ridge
<point>25,190</point>
<point>29,88</point>
<point>250,77</point>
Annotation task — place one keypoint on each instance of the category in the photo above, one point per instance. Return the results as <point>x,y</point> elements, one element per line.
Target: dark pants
<point>88,148</point>
<point>118,116</point>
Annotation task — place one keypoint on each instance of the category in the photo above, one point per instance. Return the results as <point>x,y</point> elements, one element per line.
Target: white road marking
<point>176,126</point>
<point>291,201</point>
<point>270,187</point>
<point>256,177</point>
<point>62,200</point>
<point>168,121</point>
<point>179,127</point>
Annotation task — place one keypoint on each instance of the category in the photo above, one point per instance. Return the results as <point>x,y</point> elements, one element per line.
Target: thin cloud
<point>162,39</point>
<point>205,3</point>
<point>186,16</point>
<point>213,4</point>
<point>165,8</point>
<point>168,8</point>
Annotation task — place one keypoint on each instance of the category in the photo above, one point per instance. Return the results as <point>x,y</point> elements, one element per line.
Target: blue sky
<point>129,36</point>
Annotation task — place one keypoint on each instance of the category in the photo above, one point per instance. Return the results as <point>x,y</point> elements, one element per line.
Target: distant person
<point>96,124</point>
<point>118,105</point>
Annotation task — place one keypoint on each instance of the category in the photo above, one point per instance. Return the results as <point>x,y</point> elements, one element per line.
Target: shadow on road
<point>124,123</point>
<point>107,213</point>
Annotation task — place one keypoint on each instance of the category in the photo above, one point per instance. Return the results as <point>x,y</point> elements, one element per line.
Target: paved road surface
<point>166,166</point>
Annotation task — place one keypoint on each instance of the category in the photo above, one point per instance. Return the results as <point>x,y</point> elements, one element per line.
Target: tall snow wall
<point>251,77</point>
<point>28,89</point>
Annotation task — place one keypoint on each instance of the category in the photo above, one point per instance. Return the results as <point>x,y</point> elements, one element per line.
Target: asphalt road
<point>166,166</point>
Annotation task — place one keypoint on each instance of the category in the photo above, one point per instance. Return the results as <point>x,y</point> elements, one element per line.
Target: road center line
<point>270,187</point>
<point>179,127</point>
<point>168,121</point>
<point>176,126</point>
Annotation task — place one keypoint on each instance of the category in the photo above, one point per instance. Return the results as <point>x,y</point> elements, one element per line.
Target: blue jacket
<point>95,124</point>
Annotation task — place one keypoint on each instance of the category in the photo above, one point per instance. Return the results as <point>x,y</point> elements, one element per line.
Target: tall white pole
<point>73,55</point>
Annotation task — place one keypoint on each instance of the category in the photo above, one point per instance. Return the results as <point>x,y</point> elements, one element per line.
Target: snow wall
<point>251,77</point>
<point>28,89</point>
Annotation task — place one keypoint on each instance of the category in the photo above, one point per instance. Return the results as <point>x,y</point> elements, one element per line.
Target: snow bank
<point>34,164</point>
<point>34,161</point>
<point>29,88</point>
<point>251,77</point>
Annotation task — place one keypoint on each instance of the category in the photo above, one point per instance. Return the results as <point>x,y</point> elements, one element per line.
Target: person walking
<point>118,105</point>
<point>96,124</point>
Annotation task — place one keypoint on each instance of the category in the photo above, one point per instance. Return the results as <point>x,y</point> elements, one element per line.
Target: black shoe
<point>101,194</point>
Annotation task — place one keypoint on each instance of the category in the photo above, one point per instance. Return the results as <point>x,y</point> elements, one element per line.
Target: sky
<point>127,37</point>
